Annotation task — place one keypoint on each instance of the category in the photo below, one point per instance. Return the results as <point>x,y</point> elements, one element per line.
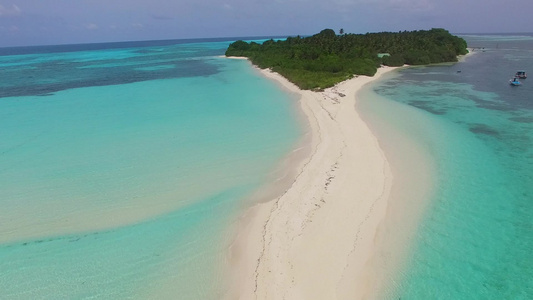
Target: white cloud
<point>417,5</point>
<point>10,11</point>
<point>91,26</point>
<point>384,4</point>
<point>163,17</point>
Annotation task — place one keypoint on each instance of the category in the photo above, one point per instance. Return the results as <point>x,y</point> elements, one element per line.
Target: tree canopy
<point>324,59</point>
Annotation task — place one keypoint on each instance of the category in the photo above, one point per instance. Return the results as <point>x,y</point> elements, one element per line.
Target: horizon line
<point>228,38</point>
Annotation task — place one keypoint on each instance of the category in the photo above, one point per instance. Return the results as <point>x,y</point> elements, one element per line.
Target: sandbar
<point>316,239</point>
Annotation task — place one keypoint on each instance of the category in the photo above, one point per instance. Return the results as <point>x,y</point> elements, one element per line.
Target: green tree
<point>322,60</point>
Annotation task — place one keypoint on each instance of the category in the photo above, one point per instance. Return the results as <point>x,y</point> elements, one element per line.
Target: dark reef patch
<point>483,129</point>
<point>36,82</point>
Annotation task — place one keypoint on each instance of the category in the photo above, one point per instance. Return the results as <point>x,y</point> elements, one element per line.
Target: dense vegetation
<point>321,60</point>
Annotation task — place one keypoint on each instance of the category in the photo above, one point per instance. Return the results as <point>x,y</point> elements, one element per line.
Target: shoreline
<point>315,241</point>
<point>396,125</point>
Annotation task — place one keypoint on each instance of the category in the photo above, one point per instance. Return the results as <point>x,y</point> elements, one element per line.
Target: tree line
<point>324,59</point>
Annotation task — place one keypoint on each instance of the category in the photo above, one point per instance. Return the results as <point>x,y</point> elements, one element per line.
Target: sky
<point>49,22</point>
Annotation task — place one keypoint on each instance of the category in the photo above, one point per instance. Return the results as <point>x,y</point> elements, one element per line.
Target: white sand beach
<point>315,241</point>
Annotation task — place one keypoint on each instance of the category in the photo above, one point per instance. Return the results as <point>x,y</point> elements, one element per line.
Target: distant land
<point>324,59</point>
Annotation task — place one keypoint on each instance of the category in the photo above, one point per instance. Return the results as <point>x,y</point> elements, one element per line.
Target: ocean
<point>474,239</point>
<point>123,165</point>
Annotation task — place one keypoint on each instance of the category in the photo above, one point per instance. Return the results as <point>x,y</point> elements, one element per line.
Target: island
<point>325,59</point>
<point>328,229</point>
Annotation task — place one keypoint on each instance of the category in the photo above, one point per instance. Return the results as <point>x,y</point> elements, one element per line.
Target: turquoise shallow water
<point>475,238</point>
<point>122,168</point>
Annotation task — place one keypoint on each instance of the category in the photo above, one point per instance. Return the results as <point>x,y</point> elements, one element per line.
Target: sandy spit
<point>316,239</point>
